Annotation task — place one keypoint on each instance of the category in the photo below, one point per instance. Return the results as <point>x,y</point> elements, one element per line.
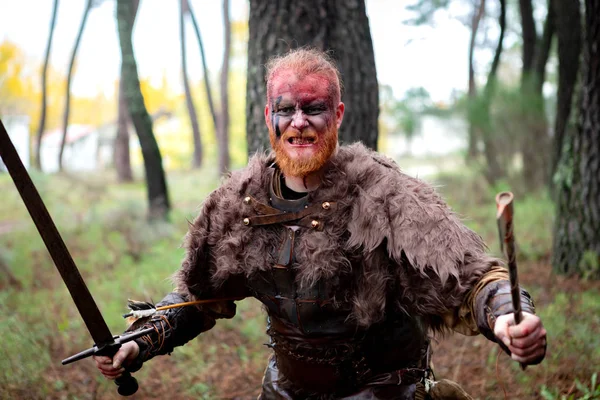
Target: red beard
<point>326,145</point>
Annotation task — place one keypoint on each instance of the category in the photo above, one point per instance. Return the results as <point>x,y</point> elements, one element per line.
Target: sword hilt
<point>126,384</point>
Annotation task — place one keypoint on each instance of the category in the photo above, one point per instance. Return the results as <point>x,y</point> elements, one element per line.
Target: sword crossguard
<point>106,348</point>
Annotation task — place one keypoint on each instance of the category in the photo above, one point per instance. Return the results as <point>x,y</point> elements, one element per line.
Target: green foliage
<point>563,177</point>
<point>23,352</point>
<point>424,11</point>
<point>119,255</point>
<point>572,321</point>
<point>589,265</point>
<point>201,390</point>
<point>587,393</point>
<point>473,199</point>
<point>403,116</point>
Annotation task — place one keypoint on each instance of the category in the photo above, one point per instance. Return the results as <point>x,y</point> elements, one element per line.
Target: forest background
<point>473,96</point>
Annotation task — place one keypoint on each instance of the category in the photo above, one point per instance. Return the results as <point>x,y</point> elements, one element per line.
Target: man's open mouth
<point>301,140</point>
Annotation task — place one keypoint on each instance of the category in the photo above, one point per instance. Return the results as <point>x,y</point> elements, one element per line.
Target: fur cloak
<point>403,247</point>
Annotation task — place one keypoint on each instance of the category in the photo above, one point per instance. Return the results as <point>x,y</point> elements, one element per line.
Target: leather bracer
<point>173,327</point>
<point>495,300</point>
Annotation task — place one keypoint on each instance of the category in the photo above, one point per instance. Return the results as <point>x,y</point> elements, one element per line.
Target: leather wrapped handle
<point>126,383</point>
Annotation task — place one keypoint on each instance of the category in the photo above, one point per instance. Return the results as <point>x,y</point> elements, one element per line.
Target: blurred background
<point>128,113</point>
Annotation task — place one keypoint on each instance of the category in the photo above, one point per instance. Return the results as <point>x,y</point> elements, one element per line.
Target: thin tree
<point>568,33</point>
<point>158,197</point>
<point>86,12</point>
<point>211,103</point>
<point>197,156</point>
<point>220,120</point>
<point>535,139</point>
<point>474,134</point>
<point>223,120</point>
<point>577,227</point>
<point>122,157</point>
<point>341,27</point>
<point>42,124</point>
<point>480,110</point>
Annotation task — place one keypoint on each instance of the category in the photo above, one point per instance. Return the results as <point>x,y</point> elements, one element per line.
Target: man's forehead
<point>289,84</point>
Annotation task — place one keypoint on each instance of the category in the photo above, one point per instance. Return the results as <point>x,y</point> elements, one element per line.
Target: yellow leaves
<point>159,97</point>
<point>15,80</point>
<point>21,93</point>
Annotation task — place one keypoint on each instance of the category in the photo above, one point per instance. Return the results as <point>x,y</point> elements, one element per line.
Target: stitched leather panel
<point>286,251</point>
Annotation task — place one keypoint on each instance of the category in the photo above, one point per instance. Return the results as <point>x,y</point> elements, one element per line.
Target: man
<point>355,262</point>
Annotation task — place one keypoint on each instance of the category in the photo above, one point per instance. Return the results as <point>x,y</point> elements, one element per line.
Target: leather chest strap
<point>275,216</point>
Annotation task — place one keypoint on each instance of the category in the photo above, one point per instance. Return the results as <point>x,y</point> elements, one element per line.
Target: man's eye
<point>286,110</point>
<point>314,110</point>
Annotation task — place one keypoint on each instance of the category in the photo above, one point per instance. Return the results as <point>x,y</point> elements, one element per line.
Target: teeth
<point>300,141</point>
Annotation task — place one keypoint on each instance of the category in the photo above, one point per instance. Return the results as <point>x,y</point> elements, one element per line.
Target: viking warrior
<point>356,263</point>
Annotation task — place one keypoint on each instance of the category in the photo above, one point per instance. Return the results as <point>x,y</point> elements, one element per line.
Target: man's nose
<point>299,120</point>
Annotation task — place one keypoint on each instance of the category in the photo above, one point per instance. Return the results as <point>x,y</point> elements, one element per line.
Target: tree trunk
<point>543,51</point>
<point>223,120</point>
<point>121,150</point>
<point>529,37</point>
<point>474,133</point>
<point>339,26</point>
<point>86,12</point>
<point>535,142</point>
<point>158,197</point>
<point>122,156</point>
<point>577,228</point>
<point>189,101</point>
<point>42,124</point>
<point>495,170</point>
<point>211,103</point>
<point>568,32</point>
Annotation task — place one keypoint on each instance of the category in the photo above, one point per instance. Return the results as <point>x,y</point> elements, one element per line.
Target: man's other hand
<point>112,368</point>
<point>526,341</point>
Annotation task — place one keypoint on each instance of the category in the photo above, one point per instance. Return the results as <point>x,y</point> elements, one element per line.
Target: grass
<point>121,256</point>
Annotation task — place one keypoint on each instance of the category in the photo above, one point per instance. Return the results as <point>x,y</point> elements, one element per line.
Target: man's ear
<point>268,116</point>
<point>339,114</point>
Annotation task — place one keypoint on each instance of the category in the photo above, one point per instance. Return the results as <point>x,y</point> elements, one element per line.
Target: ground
<point>474,362</point>
<point>121,256</point>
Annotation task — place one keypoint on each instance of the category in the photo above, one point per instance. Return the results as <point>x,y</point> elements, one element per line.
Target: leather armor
<point>318,349</point>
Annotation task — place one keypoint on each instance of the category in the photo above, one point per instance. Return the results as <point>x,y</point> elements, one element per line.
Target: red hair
<point>303,62</point>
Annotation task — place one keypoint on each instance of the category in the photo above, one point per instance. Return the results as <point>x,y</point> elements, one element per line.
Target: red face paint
<point>303,128</point>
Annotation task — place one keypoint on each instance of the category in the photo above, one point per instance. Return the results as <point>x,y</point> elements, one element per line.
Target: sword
<point>504,218</point>
<point>105,343</point>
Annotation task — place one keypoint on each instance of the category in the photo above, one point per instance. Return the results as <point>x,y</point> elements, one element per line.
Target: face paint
<point>303,129</point>
<point>275,117</point>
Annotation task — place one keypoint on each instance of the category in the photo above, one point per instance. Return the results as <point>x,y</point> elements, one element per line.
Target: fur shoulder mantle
<point>403,246</point>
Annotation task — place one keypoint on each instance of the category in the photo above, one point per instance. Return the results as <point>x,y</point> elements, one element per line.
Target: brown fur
<point>406,250</point>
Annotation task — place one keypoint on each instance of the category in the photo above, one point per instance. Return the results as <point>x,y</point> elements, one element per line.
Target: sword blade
<point>56,246</point>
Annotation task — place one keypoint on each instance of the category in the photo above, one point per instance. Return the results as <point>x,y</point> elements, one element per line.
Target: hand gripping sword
<point>504,217</point>
<point>105,343</point>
